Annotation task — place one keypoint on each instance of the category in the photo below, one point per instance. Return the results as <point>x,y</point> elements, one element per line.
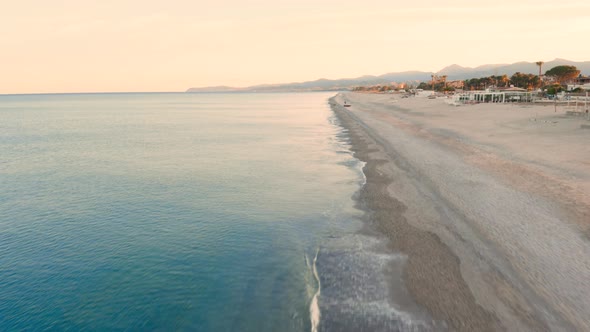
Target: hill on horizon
<point>456,72</point>
<point>453,72</point>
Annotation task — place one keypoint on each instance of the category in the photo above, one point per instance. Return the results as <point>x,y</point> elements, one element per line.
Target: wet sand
<point>490,203</point>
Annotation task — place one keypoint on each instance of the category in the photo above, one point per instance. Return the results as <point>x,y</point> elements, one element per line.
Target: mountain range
<point>453,72</point>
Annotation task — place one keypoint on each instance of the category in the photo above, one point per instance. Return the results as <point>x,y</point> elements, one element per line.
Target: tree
<point>540,64</point>
<point>563,73</point>
<point>528,81</point>
<point>554,89</point>
<point>423,86</point>
<point>474,84</point>
<point>505,80</point>
<point>488,81</point>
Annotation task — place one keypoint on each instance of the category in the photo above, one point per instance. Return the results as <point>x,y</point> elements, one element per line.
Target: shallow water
<point>167,211</point>
<point>209,212</point>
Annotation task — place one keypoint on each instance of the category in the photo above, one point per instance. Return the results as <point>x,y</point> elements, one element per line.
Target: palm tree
<point>540,64</point>
<point>505,80</point>
<point>432,81</point>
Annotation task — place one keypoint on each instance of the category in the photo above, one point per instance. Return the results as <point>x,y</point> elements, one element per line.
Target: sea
<point>185,212</point>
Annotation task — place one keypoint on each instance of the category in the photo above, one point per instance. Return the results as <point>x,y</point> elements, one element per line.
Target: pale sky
<point>148,45</point>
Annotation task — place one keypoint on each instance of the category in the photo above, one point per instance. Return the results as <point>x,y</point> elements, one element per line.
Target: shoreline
<point>421,271</point>
<point>462,268</point>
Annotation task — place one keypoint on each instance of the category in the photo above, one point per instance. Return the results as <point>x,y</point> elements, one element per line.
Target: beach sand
<point>490,202</point>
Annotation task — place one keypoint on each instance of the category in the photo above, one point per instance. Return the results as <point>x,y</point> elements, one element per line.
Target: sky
<point>147,45</point>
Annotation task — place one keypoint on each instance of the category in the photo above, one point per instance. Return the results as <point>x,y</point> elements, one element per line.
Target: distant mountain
<point>453,72</point>
<point>324,84</point>
<point>456,72</point>
<point>220,88</point>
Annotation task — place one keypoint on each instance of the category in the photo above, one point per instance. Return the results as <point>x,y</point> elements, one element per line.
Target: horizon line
<point>84,93</point>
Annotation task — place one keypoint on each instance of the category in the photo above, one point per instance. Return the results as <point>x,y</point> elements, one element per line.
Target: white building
<point>582,82</point>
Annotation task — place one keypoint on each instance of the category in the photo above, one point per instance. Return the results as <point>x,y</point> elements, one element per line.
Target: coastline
<point>433,203</point>
<point>429,260</point>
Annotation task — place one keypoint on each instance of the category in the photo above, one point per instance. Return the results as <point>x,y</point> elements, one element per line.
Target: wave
<point>314,307</point>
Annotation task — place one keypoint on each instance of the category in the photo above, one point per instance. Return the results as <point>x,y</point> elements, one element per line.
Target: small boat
<point>346,104</point>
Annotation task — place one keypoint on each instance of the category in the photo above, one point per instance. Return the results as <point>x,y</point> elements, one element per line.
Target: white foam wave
<point>361,166</point>
<point>314,307</point>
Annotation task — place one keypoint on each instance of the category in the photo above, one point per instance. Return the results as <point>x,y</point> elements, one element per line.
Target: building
<point>582,82</point>
<point>508,89</point>
<point>494,95</point>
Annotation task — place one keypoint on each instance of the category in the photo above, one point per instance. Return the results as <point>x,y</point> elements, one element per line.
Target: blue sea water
<point>169,211</point>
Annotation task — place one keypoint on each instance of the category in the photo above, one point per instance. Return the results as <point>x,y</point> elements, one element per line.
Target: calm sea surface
<point>169,211</point>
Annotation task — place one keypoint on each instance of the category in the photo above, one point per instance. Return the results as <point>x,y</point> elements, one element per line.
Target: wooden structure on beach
<point>494,96</point>
<point>578,105</point>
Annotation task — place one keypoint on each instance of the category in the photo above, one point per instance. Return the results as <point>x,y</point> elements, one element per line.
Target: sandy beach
<point>490,202</point>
